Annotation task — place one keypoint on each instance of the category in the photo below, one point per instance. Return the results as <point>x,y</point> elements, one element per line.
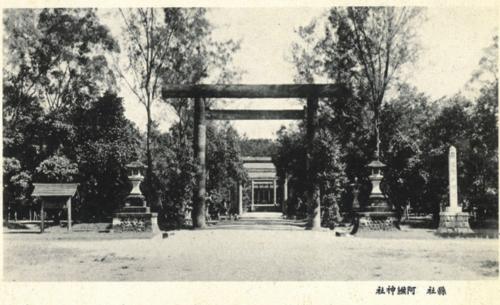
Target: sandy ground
<point>247,255</point>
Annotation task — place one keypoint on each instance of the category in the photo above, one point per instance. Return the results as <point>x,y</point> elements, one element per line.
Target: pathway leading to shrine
<point>260,221</point>
<point>248,255</point>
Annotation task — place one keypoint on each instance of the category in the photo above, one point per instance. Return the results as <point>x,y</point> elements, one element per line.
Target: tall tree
<point>487,72</point>
<point>404,119</point>
<point>289,158</point>
<point>171,45</point>
<point>363,47</point>
<point>150,37</point>
<point>199,57</point>
<point>55,59</point>
<point>106,142</point>
<point>57,55</point>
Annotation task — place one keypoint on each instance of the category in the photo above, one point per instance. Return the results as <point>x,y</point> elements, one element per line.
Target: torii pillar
<point>313,192</point>
<point>199,145</point>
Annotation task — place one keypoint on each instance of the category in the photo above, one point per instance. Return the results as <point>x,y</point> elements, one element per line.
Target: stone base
<point>132,222</point>
<point>377,203</point>
<point>454,223</point>
<point>375,221</point>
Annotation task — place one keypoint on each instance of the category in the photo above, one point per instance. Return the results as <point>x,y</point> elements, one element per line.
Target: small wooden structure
<point>52,196</point>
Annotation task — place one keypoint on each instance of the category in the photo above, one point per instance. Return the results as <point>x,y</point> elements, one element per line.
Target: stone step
<point>262,215</point>
<point>256,227</point>
<point>263,221</point>
<point>260,221</point>
<point>134,209</point>
<point>261,224</point>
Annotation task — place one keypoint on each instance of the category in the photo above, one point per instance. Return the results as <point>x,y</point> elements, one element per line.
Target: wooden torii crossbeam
<point>312,92</point>
<point>252,91</point>
<point>234,114</point>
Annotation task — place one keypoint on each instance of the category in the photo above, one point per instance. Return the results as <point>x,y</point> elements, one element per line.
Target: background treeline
<point>257,147</point>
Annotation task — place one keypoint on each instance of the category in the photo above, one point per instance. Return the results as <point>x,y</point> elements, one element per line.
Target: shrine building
<point>266,192</point>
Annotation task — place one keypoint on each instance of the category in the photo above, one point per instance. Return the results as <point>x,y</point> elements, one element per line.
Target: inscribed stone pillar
<point>453,220</point>
<point>452,170</point>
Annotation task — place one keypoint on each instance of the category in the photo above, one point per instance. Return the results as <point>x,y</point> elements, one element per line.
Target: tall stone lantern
<point>377,214</point>
<point>134,171</point>
<point>134,215</point>
<point>377,201</point>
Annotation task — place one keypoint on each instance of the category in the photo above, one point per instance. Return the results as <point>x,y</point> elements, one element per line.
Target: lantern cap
<point>376,164</point>
<point>135,164</point>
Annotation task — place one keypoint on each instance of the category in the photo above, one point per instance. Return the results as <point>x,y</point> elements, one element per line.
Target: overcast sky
<point>452,40</point>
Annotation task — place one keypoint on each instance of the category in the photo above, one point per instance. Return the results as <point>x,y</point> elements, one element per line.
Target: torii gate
<point>309,91</point>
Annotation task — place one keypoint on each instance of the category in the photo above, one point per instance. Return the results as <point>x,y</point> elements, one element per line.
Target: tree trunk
<point>377,139</point>
<point>149,159</point>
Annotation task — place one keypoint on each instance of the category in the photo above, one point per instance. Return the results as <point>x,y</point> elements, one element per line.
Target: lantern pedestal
<point>134,215</point>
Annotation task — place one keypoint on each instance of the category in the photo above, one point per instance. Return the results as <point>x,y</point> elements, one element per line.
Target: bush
<point>56,169</point>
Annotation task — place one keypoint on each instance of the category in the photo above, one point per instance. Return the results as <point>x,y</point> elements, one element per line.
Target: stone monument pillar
<point>453,220</point>
<point>134,215</point>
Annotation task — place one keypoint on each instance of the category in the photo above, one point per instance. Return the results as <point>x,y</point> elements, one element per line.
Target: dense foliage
<point>414,133</point>
<point>55,80</point>
<point>64,123</point>
<point>257,147</point>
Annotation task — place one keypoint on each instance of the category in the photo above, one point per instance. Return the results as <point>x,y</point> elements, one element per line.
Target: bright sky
<point>452,40</point>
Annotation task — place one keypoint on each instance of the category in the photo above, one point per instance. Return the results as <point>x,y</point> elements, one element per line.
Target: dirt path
<point>248,255</point>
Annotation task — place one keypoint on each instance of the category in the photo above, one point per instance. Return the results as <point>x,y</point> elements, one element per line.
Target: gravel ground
<point>248,255</point>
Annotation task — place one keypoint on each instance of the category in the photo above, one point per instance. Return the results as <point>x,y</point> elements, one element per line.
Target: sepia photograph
<point>251,144</point>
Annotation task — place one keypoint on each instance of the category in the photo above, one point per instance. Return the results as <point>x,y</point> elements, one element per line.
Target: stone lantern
<point>377,215</point>
<point>135,198</point>
<point>377,202</point>
<point>134,215</point>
